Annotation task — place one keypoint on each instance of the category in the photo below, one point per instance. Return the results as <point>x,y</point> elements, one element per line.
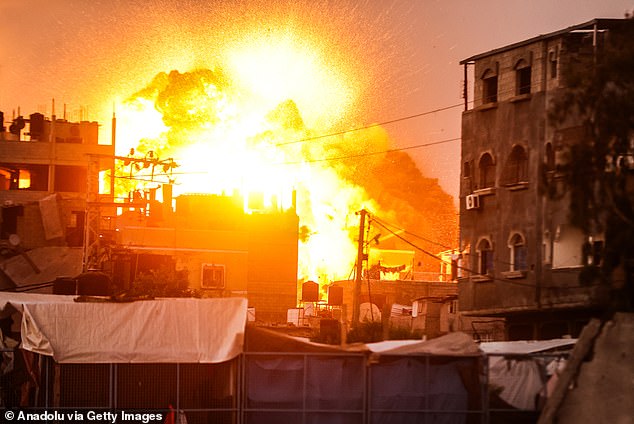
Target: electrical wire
<point>412,234</point>
<point>418,146</point>
<point>392,121</point>
<point>505,280</point>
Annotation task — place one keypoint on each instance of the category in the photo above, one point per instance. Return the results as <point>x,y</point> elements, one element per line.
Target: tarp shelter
<point>439,375</point>
<point>402,381</point>
<point>519,376</point>
<point>166,330</point>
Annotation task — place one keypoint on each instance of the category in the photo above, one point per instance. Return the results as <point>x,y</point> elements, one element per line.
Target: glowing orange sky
<point>82,52</point>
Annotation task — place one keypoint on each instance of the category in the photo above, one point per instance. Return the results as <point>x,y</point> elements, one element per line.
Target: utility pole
<point>356,293</point>
<point>93,216</point>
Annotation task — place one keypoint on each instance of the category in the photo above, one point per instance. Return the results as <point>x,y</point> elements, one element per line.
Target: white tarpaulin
<point>164,330</point>
<point>521,377</point>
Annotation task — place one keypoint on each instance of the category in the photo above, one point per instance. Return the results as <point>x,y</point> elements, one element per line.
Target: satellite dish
<point>14,240</point>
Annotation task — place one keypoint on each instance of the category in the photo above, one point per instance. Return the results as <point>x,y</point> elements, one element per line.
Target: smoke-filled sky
<point>385,60</point>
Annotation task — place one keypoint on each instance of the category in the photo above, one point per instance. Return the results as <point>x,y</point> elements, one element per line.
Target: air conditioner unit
<point>473,201</point>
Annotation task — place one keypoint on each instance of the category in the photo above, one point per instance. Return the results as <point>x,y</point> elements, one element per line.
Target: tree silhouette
<point>599,168</point>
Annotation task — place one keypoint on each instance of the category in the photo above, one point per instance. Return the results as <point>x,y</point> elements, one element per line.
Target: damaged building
<point>60,221</point>
<point>521,257</point>
<point>43,186</point>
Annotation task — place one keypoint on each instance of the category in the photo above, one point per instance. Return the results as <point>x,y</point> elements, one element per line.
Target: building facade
<point>521,258</point>
<point>44,179</point>
<point>58,206</point>
<point>218,248</point>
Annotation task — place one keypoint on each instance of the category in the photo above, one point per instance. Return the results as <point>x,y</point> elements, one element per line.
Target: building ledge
<point>566,268</point>
<point>534,308</point>
<point>523,185</point>
<point>488,191</point>
<point>520,98</point>
<point>487,106</point>
<point>480,278</point>
<point>511,275</point>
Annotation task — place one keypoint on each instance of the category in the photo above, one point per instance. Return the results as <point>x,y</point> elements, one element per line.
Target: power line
<point>412,234</point>
<point>418,146</point>
<point>450,263</point>
<point>392,121</point>
<point>497,261</point>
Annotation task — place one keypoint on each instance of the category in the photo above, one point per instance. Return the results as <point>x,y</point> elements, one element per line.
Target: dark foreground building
<point>521,256</point>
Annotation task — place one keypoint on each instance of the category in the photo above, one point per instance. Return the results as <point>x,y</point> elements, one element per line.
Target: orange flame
<point>248,128</point>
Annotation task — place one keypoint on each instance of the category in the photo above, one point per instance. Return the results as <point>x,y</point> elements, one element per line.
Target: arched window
<point>485,257</point>
<point>517,166</point>
<point>487,171</point>
<point>517,245</point>
<point>489,87</point>
<point>522,77</point>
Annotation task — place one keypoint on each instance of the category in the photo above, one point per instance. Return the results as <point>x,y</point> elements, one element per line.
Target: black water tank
<point>37,125</point>
<point>335,295</point>
<point>310,292</point>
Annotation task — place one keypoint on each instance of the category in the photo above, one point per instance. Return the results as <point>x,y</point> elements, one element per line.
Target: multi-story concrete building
<point>521,258</point>
<point>43,178</point>
<point>220,249</point>
<point>53,176</point>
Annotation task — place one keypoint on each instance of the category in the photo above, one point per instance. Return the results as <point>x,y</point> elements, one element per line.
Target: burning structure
<point>277,192</point>
<point>52,201</point>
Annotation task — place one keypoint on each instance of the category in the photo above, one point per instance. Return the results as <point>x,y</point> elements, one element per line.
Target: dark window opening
<point>75,229</point>
<point>466,173</point>
<point>524,80</point>
<point>490,87</point>
<point>10,221</point>
<point>518,253</point>
<point>485,265</point>
<point>487,171</point>
<point>70,178</point>
<point>592,252</point>
<point>467,170</point>
<point>516,167</point>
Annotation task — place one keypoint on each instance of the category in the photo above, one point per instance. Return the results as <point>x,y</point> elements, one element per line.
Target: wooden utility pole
<point>356,294</point>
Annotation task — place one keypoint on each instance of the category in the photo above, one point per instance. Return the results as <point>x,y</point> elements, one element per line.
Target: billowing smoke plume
<point>213,123</point>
